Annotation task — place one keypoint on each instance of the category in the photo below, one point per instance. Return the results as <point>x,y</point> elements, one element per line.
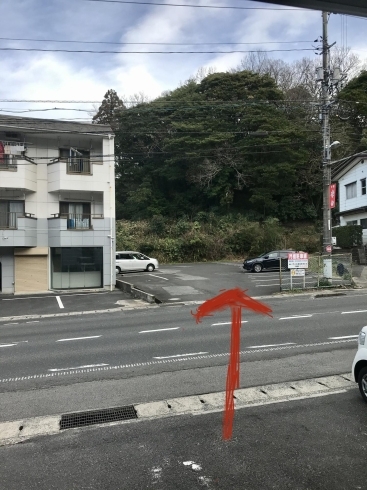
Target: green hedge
<point>348,236</point>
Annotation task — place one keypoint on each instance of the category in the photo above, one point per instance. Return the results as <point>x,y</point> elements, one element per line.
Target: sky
<point>55,76</point>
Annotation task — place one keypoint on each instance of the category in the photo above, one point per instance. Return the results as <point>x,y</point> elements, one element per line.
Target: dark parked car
<point>268,261</point>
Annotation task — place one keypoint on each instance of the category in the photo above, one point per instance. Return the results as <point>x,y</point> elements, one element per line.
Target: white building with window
<point>351,174</point>
<point>57,205</point>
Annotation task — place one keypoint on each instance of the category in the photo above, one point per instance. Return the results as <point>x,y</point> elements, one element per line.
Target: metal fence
<point>315,276</point>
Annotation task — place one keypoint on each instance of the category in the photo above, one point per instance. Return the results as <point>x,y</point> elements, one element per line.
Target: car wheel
<point>362,383</point>
<point>118,270</point>
<point>258,268</point>
<point>150,268</point>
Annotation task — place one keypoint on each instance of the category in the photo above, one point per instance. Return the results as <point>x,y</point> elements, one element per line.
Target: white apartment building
<point>351,176</point>
<point>57,205</point>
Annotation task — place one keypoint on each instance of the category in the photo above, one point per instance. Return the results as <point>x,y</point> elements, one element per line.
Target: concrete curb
<point>13,432</point>
<point>135,292</point>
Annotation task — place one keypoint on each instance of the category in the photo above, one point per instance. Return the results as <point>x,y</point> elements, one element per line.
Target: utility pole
<point>330,80</point>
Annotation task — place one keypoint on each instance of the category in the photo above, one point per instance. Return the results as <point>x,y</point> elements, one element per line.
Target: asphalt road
<point>312,444</point>
<point>101,360</point>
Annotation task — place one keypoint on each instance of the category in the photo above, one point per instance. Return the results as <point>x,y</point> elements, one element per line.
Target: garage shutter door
<point>31,273</point>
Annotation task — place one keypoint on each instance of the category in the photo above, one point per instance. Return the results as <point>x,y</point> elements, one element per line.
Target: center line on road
<point>344,337</point>
<point>181,355</point>
<point>79,338</point>
<point>33,321</point>
<point>226,323</point>
<point>79,367</point>
<point>293,317</point>
<point>7,345</point>
<point>59,301</point>
<point>356,311</point>
<point>159,330</point>
<point>269,345</point>
<point>159,277</point>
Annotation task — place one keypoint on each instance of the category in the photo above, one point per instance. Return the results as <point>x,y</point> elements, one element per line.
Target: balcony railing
<point>78,166</point>
<point>77,221</point>
<point>7,162</point>
<point>9,220</point>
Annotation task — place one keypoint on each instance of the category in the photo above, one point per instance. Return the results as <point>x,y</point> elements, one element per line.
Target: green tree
<point>109,110</point>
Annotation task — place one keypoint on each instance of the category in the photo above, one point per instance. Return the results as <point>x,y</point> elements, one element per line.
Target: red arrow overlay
<point>235,299</point>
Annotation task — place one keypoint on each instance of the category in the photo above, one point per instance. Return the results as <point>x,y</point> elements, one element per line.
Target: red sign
<point>328,248</point>
<point>298,256</point>
<point>332,196</point>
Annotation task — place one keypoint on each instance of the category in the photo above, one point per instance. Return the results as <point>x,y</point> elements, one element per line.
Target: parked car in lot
<point>359,368</point>
<point>134,261</point>
<point>268,261</point>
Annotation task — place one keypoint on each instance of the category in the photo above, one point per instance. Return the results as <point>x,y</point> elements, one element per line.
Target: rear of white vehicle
<point>359,368</point>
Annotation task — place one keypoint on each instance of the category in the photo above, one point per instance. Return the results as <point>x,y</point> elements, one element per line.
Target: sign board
<point>298,260</point>
<point>333,240</point>
<point>332,197</point>
<point>298,272</point>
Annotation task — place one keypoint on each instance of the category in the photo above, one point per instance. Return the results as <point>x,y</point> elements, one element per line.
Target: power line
<point>90,51</point>
<point>131,2</point>
<point>150,43</point>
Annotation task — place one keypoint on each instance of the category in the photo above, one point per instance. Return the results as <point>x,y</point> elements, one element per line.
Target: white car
<point>359,368</point>
<point>134,261</point>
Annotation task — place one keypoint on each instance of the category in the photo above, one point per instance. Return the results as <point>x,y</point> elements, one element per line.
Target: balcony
<point>80,166</point>
<point>18,230</point>
<point>18,174</point>
<point>7,162</point>
<point>77,221</point>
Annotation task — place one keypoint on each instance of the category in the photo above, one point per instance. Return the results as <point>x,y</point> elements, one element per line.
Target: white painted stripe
<point>34,321</point>
<point>79,367</point>
<point>159,330</point>
<point>270,345</point>
<point>226,323</point>
<point>267,285</point>
<point>7,345</point>
<point>350,312</point>
<point>293,317</point>
<point>181,355</point>
<point>79,338</point>
<point>59,301</point>
<point>10,324</point>
<point>344,337</point>
<point>159,277</point>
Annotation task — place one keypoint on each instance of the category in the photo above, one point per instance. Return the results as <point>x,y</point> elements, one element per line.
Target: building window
<point>77,214</point>
<point>77,161</point>
<point>9,213</point>
<point>351,190</point>
<point>363,186</point>
<point>76,267</point>
<point>364,223</point>
<point>354,222</point>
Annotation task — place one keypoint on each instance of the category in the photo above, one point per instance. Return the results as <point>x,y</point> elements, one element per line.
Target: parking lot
<point>200,281</point>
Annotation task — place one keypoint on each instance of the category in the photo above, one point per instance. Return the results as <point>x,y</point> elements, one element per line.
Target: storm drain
<point>81,419</point>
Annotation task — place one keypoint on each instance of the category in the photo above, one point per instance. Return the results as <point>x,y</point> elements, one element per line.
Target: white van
<point>134,261</point>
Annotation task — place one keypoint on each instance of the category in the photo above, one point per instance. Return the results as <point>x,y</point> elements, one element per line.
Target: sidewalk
<point>360,275</point>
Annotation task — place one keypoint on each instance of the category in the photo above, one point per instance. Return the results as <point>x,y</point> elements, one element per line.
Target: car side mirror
<point>266,257</point>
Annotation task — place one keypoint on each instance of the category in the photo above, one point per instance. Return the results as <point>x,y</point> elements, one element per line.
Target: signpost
<point>298,263</point>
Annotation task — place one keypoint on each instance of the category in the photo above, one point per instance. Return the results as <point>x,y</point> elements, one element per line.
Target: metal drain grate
<point>80,419</point>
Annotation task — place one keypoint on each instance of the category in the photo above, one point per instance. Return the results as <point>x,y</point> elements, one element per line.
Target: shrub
<point>348,236</point>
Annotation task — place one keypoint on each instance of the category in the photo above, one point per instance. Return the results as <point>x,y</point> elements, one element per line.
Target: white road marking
<point>52,296</point>
<point>226,323</point>
<point>10,324</point>
<point>174,299</point>
<point>344,337</point>
<point>59,301</point>
<point>181,355</point>
<point>270,345</point>
<point>194,466</point>
<point>79,338</point>
<point>7,345</point>
<point>159,330</point>
<point>79,367</point>
<point>350,312</point>
<point>293,317</point>
<point>159,277</point>
<point>33,321</point>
